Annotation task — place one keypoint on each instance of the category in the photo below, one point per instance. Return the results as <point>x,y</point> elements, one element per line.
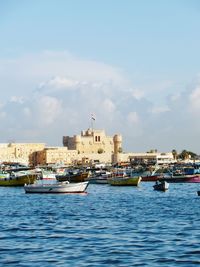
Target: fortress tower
<point>117,140</point>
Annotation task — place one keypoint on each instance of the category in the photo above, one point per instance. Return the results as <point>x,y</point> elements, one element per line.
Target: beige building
<point>88,147</point>
<point>55,155</point>
<point>19,152</point>
<point>95,145</point>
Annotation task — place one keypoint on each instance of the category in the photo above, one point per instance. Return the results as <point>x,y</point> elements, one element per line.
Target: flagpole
<point>92,121</point>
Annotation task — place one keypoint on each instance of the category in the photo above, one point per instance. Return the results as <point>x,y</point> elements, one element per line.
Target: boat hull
<point>72,178</point>
<point>125,181</point>
<point>56,188</point>
<point>182,179</point>
<point>18,180</point>
<point>98,181</point>
<point>151,178</point>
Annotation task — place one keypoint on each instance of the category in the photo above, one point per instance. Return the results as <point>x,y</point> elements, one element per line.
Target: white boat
<point>61,187</point>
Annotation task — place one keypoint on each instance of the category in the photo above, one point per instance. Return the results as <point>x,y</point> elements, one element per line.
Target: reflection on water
<point>109,226</point>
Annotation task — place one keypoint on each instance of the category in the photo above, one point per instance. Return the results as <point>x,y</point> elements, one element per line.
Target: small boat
<point>182,179</point>
<point>125,180</point>
<point>151,178</point>
<point>73,176</point>
<point>100,177</point>
<point>60,187</point>
<point>161,186</point>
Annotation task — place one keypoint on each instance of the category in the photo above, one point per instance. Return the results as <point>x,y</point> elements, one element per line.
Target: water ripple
<point>107,227</point>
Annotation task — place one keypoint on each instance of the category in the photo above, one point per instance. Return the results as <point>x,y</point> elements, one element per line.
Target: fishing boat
<point>100,177</point>
<point>182,178</point>
<point>161,186</point>
<point>59,187</point>
<point>73,176</point>
<point>18,178</point>
<point>125,180</point>
<point>151,177</point>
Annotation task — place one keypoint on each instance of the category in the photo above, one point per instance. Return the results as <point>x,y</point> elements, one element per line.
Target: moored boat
<point>182,179</point>
<point>125,180</point>
<point>100,177</point>
<point>73,176</point>
<point>18,179</point>
<point>60,187</point>
<point>161,186</point>
<point>151,178</point>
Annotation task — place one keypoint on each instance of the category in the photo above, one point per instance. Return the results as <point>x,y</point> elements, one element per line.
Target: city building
<point>90,147</point>
<point>54,155</point>
<point>19,152</point>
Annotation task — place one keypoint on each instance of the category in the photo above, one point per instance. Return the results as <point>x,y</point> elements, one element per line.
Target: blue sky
<point>135,64</point>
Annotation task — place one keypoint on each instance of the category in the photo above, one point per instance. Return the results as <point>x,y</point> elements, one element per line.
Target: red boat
<point>195,178</point>
<point>152,178</point>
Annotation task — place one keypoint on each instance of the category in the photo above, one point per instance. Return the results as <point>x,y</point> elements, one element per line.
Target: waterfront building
<point>19,152</point>
<point>90,147</point>
<point>55,155</point>
<point>152,157</point>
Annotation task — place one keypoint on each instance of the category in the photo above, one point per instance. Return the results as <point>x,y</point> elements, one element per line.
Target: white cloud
<point>17,99</point>
<point>159,109</point>
<point>48,110</point>
<point>194,100</point>
<point>53,94</point>
<point>60,83</point>
<point>133,117</point>
<point>108,106</point>
<point>137,94</point>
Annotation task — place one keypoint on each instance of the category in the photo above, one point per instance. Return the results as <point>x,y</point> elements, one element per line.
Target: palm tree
<point>174,153</point>
<point>184,154</point>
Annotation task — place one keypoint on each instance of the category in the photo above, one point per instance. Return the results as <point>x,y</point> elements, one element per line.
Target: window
<point>98,138</point>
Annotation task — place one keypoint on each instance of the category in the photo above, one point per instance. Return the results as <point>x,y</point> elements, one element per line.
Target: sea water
<point>108,226</point>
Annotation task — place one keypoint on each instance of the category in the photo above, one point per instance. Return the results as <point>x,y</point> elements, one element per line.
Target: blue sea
<point>108,226</point>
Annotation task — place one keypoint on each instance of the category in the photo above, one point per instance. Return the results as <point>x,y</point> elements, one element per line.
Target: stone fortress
<point>91,146</point>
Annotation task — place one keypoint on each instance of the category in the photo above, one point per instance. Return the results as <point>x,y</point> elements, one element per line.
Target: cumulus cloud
<point>57,92</point>
<point>133,117</point>
<point>138,94</point>
<point>108,105</point>
<point>17,99</point>
<point>48,110</point>
<point>59,83</point>
<point>194,101</point>
<point>159,109</point>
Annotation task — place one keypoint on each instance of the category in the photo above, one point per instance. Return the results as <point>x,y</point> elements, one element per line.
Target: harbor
<point>99,140</point>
